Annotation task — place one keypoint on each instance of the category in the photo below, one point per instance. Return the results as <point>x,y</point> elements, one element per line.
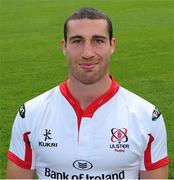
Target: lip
<point>88,66</point>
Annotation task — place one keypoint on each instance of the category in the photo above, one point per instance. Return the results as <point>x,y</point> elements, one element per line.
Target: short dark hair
<point>88,13</point>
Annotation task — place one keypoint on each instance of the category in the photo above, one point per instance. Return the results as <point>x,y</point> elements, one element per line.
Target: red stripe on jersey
<point>90,110</point>
<point>28,150</point>
<point>148,159</point>
<point>28,154</point>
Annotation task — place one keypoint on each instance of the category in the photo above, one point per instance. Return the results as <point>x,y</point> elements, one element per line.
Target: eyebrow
<point>75,37</point>
<point>98,36</point>
<point>81,37</point>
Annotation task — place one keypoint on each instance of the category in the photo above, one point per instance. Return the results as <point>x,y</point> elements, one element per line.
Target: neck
<point>85,94</point>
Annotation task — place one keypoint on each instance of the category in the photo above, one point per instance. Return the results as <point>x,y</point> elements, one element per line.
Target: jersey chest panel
<point>106,142</point>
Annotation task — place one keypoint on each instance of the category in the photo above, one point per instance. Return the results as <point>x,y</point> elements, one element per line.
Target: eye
<point>99,41</point>
<point>76,41</point>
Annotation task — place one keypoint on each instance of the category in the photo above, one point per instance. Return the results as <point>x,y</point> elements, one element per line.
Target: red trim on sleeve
<point>28,154</point>
<point>90,110</point>
<point>11,156</point>
<point>148,159</point>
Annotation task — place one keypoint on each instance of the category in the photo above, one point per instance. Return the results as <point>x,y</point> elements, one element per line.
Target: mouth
<point>87,66</point>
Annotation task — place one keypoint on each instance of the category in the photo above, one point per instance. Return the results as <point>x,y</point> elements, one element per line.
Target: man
<point>88,127</point>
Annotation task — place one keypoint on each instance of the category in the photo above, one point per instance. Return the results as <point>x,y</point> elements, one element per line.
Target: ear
<point>113,45</point>
<point>63,46</point>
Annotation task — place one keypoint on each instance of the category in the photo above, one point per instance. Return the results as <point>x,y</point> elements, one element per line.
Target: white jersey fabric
<point>118,135</point>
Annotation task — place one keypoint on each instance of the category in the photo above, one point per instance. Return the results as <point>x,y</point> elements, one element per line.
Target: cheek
<point>72,61</point>
<point>73,55</point>
<point>104,56</point>
<point>104,52</point>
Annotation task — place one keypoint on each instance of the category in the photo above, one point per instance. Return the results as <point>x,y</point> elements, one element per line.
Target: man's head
<point>88,45</point>
<point>88,13</point>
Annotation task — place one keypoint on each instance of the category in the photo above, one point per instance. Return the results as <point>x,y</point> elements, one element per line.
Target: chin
<point>89,80</point>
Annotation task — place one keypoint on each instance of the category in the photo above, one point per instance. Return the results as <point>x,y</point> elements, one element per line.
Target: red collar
<point>89,111</point>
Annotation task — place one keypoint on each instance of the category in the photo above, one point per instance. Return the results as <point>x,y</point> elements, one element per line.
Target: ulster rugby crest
<point>119,139</point>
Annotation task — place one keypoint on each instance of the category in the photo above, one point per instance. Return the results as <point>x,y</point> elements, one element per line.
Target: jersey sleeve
<point>20,151</point>
<point>155,154</point>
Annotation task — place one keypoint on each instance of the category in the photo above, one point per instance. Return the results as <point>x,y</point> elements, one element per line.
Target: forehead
<point>87,27</point>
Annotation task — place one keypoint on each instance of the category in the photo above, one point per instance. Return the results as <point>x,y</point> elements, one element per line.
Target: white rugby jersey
<point>118,135</point>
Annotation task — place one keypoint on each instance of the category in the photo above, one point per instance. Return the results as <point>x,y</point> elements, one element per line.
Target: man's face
<point>88,49</point>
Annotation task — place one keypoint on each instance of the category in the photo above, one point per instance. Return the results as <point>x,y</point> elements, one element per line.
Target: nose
<point>88,51</point>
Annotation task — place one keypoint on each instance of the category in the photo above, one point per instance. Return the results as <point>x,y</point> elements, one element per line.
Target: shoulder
<point>38,105</point>
<point>138,107</point>
<point>43,98</point>
<point>134,101</point>
<point>143,116</point>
